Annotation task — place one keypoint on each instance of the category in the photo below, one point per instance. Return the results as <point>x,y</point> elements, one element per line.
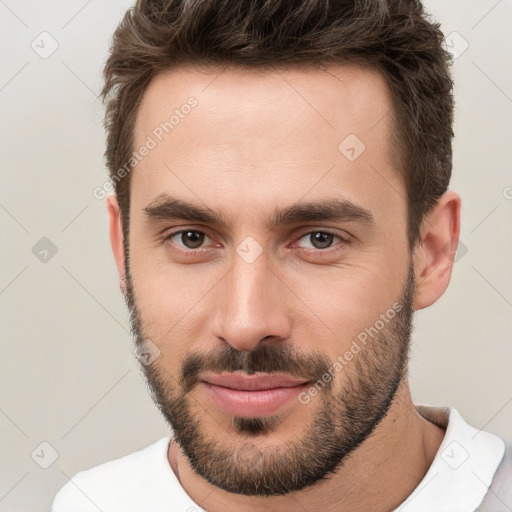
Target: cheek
<point>164,290</point>
<point>343,304</point>
<point>174,302</point>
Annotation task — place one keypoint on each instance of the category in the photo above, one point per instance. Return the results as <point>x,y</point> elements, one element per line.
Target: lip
<point>252,395</point>
<point>255,382</point>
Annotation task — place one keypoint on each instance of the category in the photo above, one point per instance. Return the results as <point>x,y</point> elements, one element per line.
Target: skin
<point>256,142</point>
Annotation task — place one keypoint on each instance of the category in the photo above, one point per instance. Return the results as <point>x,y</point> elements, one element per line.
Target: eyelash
<point>345,240</point>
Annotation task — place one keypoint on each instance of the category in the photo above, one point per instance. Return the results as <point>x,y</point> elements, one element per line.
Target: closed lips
<point>256,382</point>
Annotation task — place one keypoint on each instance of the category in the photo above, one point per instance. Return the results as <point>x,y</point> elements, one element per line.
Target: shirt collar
<point>462,470</point>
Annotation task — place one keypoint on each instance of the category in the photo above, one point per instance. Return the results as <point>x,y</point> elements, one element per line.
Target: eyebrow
<point>166,207</point>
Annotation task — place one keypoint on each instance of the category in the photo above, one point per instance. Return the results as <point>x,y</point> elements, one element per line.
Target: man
<point>281,210</point>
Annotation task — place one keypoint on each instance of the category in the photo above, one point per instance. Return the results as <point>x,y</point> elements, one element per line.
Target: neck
<point>379,475</point>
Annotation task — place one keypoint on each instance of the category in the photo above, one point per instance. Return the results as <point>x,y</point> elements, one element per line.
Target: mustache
<point>265,358</point>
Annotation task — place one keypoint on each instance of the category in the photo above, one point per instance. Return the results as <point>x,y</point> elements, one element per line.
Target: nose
<point>251,305</point>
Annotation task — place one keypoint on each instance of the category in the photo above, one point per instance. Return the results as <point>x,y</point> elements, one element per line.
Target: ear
<point>116,238</point>
<point>435,255</point>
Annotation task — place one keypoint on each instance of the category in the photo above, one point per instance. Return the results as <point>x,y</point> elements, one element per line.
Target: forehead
<point>262,132</point>
<point>336,97</point>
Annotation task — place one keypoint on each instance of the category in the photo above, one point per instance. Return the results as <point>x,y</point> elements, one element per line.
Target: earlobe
<point>435,255</point>
<point>117,238</point>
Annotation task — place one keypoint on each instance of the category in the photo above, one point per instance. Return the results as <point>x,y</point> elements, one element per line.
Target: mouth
<point>255,395</point>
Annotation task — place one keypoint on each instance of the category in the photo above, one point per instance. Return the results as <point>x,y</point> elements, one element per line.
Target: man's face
<point>261,287</point>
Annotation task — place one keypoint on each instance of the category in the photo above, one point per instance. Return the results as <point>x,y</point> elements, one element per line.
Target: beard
<point>334,425</point>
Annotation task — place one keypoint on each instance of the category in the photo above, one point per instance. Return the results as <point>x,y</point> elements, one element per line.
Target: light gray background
<point>68,374</point>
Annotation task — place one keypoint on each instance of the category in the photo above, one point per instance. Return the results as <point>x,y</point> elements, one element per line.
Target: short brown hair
<point>394,37</point>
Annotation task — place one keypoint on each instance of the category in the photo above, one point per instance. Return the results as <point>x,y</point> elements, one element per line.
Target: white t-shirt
<point>143,481</point>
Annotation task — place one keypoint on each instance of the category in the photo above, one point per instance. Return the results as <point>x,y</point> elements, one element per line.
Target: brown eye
<point>192,239</point>
<point>187,238</point>
<point>320,239</point>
